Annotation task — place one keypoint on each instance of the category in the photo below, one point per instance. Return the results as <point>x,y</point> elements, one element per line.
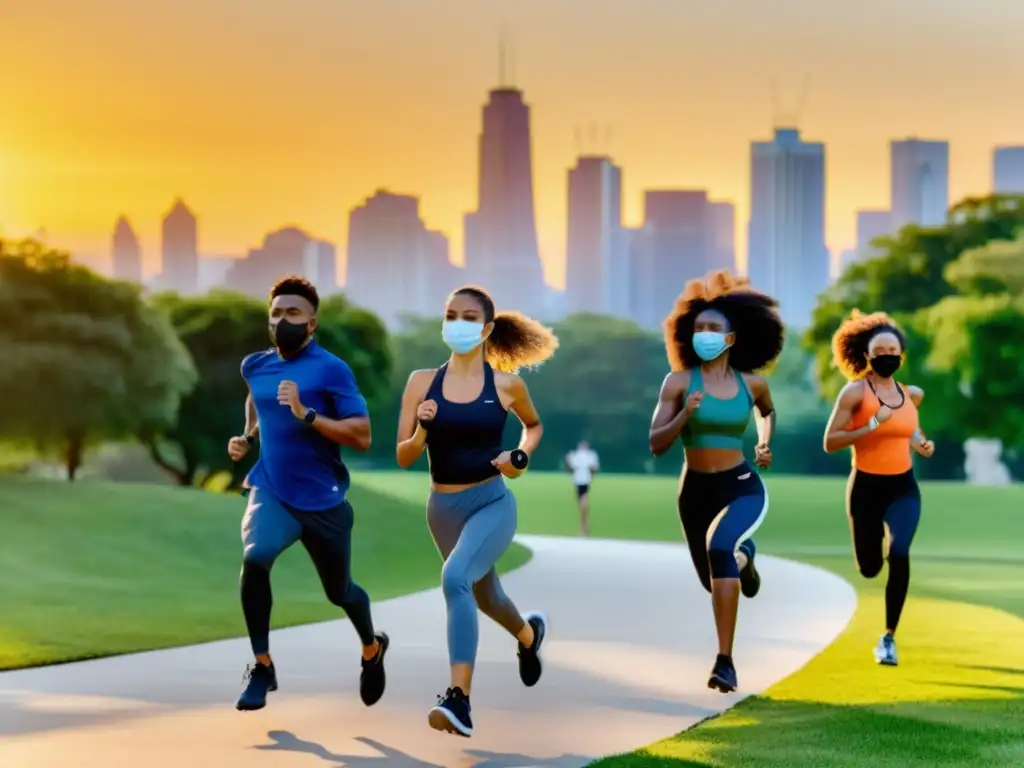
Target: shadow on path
<point>285,741</point>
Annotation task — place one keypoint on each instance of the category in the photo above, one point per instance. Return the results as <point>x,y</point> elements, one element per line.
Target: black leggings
<point>719,512</point>
<point>269,527</point>
<point>874,503</point>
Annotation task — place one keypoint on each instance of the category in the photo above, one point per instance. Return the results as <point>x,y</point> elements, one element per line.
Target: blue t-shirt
<point>297,464</point>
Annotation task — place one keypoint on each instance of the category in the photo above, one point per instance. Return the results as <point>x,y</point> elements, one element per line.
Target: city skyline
<point>157,132</point>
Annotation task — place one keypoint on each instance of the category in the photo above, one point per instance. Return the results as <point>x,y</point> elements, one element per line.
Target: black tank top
<point>464,438</point>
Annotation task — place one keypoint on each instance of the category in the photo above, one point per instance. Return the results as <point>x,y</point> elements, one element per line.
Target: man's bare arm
<point>252,423</point>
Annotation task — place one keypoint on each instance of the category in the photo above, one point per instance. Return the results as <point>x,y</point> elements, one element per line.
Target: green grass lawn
<point>93,569</point>
<point>956,700</point>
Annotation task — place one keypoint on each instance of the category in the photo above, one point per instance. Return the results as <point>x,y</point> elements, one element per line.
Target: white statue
<point>982,463</point>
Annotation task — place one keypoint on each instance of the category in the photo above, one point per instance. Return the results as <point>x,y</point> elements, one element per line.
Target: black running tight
<point>875,503</point>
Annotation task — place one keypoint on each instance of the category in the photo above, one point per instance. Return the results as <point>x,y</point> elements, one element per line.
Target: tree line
<point>88,360</point>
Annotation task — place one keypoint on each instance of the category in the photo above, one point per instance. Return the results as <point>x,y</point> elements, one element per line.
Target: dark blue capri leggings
<point>719,512</point>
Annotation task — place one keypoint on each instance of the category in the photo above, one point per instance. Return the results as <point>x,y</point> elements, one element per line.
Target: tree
<point>85,359</point>
<point>977,346</point>
<point>912,273</point>
<point>996,267</point>
<point>220,329</point>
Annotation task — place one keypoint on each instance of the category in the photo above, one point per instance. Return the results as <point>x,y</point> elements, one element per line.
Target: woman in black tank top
<point>458,413</point>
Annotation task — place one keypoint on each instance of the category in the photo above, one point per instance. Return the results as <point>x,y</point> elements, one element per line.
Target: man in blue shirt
<point>304,403</point>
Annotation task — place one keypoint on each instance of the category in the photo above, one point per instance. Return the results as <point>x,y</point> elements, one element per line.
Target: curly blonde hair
<point>851,340</point>
<point>753,316</point>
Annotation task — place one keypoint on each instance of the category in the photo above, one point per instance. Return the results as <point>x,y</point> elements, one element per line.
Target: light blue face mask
<point>462,336</point>
<point>709,345</point>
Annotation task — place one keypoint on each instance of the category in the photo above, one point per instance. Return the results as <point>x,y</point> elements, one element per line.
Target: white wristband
<point>873,424</point>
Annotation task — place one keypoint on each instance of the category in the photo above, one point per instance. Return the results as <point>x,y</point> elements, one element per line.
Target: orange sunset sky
<point>265,113</point>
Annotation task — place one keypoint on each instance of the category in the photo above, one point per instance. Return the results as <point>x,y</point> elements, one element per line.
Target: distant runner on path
<point>583,464</point>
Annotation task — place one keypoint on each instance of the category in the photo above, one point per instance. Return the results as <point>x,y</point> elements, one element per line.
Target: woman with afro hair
<point>457,413</point>
<point>877,419</point>
<point>720,332</point>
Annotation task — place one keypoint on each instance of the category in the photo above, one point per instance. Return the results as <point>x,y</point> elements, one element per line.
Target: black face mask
<point>289,337</point>
<point>886,365</point>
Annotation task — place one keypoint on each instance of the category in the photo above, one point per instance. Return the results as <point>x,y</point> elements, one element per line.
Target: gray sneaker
<point>885,651</point>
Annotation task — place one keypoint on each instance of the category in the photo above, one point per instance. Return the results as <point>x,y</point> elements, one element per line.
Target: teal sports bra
<point>718,423</point>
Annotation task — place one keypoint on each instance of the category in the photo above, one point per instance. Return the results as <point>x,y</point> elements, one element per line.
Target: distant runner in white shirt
<point>583,464</point>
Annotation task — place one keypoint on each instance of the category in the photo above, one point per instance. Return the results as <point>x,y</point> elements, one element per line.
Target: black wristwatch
<point>250,439</point>
<point>310,416</point>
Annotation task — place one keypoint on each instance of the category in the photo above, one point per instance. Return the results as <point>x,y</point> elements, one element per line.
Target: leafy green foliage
<point>978,345</point>
<point>85,358</point>
<point>996,267</point>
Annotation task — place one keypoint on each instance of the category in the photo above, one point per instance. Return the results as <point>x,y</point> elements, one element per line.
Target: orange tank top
<point>886,450</point>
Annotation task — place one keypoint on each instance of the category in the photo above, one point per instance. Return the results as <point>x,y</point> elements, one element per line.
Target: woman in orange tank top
<point>877,419</point>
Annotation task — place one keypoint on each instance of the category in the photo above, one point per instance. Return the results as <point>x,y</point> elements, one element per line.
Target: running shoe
<point>885,651</point>
<point>723,675</point>
<point>452,713</point>
<point>371,678</point>
<point>530,666</point>
<point>750,579</point>
<point>262,680</point>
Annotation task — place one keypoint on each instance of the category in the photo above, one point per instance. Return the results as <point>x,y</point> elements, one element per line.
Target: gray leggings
<point>472,529</point>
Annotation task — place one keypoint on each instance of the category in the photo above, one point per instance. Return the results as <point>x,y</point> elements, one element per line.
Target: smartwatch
<point>310,416</point>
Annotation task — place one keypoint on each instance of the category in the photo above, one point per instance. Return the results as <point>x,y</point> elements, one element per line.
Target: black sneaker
<point>262,680</point>
<point>372,679</point>
<point>723,675</point>
<point>750,579</point>
<point>452,713</point>
<point>530,666</point>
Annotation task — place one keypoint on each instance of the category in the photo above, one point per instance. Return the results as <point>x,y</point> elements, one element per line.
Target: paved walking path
<point>631,644</point>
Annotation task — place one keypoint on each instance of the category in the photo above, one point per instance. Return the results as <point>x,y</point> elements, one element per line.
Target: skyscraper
<point>671,248</point>
<point>286,251</point>
<point>126,253</point>
<point>396,266</point>
<point>919,182</point>
<point>1008,170</point>
<point>180,250</point>
<point>592,255</point>
<point>723,236</point>
<point>786,253</point>
<point>501,235</point>
<point>214,270</point>
<point>872,225</point>
<point>319,266</point>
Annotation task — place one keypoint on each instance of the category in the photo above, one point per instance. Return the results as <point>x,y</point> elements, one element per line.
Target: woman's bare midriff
<point>713,459</point>
<point>442,488</point>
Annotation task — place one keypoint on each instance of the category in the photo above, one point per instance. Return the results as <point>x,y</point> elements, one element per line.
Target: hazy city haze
<point>262,114</point>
